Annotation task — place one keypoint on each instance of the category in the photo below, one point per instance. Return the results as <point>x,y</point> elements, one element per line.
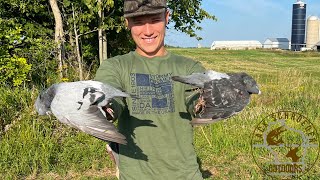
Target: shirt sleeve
<point>109,72</point>
<point>191,92</point>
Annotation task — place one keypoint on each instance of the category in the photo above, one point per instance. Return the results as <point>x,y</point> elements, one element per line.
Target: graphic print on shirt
<point>154,92</point>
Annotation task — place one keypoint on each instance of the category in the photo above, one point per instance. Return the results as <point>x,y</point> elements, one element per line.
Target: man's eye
<point>156,20</point>
<point>138,23</point>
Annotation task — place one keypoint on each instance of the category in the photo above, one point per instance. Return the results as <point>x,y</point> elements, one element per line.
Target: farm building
<point>235,45</point>
<point>313,32</point>
<point>276,43</point>
<point>317,46</point>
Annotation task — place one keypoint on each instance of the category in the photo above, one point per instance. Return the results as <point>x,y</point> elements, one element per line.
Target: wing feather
<point>80,107</point>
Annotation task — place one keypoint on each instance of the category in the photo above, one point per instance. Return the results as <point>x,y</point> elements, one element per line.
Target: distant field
<point>288,81</point>
<point>40,148</point>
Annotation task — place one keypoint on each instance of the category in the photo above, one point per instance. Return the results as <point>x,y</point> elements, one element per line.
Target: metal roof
<point>299,2</point>
<point>237,42</point>
<point>279,39</point>
<point>313,18</point>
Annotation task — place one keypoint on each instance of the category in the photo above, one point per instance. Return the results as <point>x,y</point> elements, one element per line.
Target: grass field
<point>39,148</point>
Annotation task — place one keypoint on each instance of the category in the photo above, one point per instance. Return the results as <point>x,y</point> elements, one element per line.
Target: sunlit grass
<point>38,147</point>
<point>287,83</point>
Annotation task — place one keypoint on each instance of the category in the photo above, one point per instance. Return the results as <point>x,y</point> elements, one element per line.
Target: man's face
<point>148,33</point>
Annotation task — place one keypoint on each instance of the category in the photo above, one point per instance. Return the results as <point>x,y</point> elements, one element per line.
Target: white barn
<point>235,45</point>
<point>276,43</point>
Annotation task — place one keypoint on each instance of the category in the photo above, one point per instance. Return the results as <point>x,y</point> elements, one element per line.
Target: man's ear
<point>127,23</point>
<point>167,16</point>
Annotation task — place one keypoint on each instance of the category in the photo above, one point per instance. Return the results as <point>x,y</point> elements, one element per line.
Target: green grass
<point>37,147</point>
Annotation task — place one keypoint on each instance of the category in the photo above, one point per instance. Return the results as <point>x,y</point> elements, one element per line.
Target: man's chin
<point>148,51</point>
<point>151,53</point>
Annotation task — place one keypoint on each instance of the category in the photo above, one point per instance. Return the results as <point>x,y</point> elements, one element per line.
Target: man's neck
<point>161,52</point>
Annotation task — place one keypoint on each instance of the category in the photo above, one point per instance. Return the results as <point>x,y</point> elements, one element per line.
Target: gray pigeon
<point>222,95</point>
<point>79,105</point>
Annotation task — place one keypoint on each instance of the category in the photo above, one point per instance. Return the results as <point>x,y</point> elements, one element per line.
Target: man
<point>155,120</point>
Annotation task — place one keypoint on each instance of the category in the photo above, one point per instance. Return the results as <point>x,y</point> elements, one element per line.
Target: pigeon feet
<point>200,106</point>
<point>109,112</point>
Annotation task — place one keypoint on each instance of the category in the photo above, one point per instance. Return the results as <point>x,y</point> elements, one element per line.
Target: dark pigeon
<point>79,105</point>
<point>222,94</point>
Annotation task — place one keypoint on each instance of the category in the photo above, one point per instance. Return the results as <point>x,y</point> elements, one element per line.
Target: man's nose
<point>148,30</point>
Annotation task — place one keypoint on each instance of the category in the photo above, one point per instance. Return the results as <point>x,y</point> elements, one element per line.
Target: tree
<point>88,17</point>
<point>186,16</point>
<point>78,27</point>
<point>107,16</point>
<point>59,33</point>
<point>13,69</point>
<point>25,33</point>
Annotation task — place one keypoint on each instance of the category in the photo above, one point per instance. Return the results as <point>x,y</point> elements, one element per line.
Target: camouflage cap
<point>134,8</point>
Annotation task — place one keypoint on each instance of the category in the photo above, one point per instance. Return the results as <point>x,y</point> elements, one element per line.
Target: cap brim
<point>135,14</point>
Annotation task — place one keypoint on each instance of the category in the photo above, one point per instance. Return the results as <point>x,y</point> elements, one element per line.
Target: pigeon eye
<point>246,81</point>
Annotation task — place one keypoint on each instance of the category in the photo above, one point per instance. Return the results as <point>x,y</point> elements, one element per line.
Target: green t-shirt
<point>155,120</point>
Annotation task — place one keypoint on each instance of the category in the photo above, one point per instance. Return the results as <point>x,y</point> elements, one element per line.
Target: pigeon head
<point>44,100</point>
<point>251,84</point>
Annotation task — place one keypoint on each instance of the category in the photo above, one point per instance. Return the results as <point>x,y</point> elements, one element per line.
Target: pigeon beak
<point>254,90</point>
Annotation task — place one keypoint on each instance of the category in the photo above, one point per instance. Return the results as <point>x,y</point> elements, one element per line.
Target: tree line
<point>44,41</point>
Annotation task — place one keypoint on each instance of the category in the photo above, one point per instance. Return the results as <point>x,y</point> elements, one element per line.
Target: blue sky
<point>243,20</point>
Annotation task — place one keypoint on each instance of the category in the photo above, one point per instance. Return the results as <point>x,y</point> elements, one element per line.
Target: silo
<point>298,25</point>
<point>312,31</point>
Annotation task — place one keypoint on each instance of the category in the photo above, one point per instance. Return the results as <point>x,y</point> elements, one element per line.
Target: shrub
<point>13,70</point>
<point>12,102</point>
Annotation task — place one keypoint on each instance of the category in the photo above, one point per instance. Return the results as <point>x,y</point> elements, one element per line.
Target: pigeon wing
<point>199,79</point>
<point>80,108</point>
<point>223,100</point>
<point>195,79</point>
<point>93,122</point>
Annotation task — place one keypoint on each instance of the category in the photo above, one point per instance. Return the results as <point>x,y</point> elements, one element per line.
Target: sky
<point>243,20</point>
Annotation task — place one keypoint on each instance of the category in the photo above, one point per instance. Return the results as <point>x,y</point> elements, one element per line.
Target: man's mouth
<point>149,39</point>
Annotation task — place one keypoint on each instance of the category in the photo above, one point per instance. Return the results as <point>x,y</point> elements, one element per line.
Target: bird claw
<point>200,106</point>
<point>111,112</point>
